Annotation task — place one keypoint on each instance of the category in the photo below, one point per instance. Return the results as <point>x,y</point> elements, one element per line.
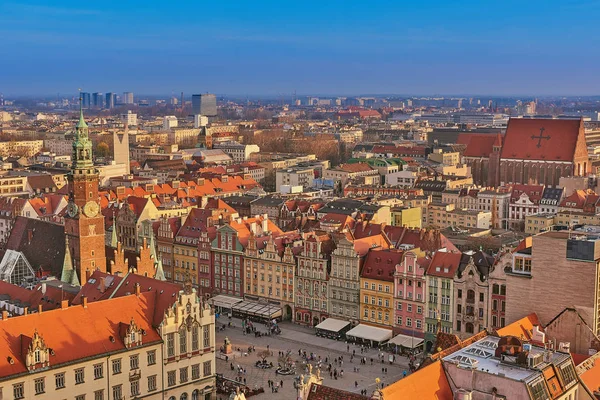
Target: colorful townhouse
<point>409,294</point>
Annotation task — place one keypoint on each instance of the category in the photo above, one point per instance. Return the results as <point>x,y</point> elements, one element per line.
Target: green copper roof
<point>81,123</point>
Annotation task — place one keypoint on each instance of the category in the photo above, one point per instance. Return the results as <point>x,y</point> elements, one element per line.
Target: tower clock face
<point>91,209</point>
<point>72,209</point>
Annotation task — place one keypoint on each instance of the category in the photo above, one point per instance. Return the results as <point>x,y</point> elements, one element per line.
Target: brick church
<point>533,151</point>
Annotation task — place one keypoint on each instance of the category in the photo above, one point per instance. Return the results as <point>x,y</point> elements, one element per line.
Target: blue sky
<point>313,47</point>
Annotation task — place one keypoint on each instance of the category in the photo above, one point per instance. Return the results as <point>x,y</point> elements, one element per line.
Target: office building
<point>204,104</point>
<point>111,100</point>
<point>85,98</point>
<point>127,98</point>
<point>98,100</point>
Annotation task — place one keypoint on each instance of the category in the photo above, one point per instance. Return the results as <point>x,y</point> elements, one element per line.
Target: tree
<point>263,354</point>
<point>102,150</point>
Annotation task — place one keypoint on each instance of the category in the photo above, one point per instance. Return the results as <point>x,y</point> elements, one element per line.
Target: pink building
<point>409,292</point>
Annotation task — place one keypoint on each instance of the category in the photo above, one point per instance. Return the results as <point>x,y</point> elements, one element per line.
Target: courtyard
<point>295,338</point>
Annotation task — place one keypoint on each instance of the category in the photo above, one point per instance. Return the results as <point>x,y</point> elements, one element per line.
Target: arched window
<point>495,289</point>
<point>469,327</point>
<point>470,296</point>
<point>196,395</point>
<point>184,396</point>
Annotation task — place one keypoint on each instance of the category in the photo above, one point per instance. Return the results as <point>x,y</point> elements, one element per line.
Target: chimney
<point>4,315</point>
<point>43,288</point>
<point>29,235</point>
<point>25,310</point>
<point>40,308</point>
<point>102,287</point>
<point>88,274</point>
<point>265,224</point>
<point>137,289</point>
<point>84,301</point>
<point>64,304</point>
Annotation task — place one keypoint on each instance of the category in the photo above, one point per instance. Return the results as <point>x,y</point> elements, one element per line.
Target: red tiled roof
<point>49,300</point>
<point>363,245</point>
<point>534,192</point>
<point>76,333</point>
<point>575,200</point>
<point>320,392</point>
<point>522,328</point>
<point>444,264</point>
<point>381,264</point>
<point>481,145</point>
<point>521,139</point>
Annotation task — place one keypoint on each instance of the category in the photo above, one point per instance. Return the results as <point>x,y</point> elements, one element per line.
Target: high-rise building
<point>98,100</point>
<point>111,100</point>
<point>127,97</point>
<point>204,104</point>
<point>85,97</point>
<point>84,223</point>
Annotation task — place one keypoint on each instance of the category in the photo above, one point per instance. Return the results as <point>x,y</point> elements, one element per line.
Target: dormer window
<point>37,356</point>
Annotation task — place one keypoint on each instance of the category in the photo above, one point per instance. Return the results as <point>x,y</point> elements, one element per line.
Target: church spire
<point>113,236</point>
<point>81,123</point>
<point>160,273</point>
<point>69,275</point>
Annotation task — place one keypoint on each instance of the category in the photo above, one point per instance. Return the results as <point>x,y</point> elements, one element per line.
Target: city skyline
<point>240,48</point>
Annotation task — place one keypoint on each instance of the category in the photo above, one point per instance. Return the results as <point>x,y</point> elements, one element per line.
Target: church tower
<point>84,224</point>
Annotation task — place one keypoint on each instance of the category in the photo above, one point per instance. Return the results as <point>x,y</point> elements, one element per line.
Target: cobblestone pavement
<point>294,337</point>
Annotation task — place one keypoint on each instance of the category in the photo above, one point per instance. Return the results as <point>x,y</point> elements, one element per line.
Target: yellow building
<point>377,287</point>
<point>110,349</point>
<point>536,223</point>
<point>407,216</point>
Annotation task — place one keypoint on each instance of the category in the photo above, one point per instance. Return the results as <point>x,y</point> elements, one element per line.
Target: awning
<point>332,325</point>
<point>224,301</point>
<point>369,332</point>
<point>263,310</point>
<point>406,341</point>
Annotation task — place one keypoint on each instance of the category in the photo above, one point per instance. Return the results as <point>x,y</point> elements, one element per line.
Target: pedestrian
<point>382,370</point>
<point>244,381</point>
<point>281,383</point>
<point>355,384</point>
<point>347,347</point>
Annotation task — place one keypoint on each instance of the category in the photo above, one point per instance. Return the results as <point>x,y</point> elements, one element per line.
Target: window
<point>98,371</point>
<point>117,392</point>
<point>135,387</point>
<point>152,357</point>
<point>195,371</point>
<point>409,307</point>
<point>206,336</point>
<point>494,305</point>
<point>152,383</point>
<point>195,341</point>
<point>59,380</point>
<point>40,386</point>
<point>207,368</point>
<point>99,395</point>
<point>134,361</point>
<point>459,308</point>
<point>183,375</point>
<point>116,366</point>
<point>19,390</point>
<point>459,294</point>
<point>80,397</point>
<point>481,297</point>
<point>37,354</point>
<point>79,376</point>
<point>458,326</point>
<point>171,378</point>
<point>469,327</point>
<point>171,345</point>
<point>409,322</point>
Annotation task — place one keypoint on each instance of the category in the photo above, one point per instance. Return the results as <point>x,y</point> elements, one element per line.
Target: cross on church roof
<point>539,138</point>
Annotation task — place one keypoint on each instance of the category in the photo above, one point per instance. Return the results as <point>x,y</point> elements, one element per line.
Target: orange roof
<point>362,246</point>
<point>444,264</point>
<point>428,383</point>
<point>542,139</point>
<point>357,167</point>
<point>591,375</point>
<point>521,328</point>
<point>76,332</point>
<point>481,145</point>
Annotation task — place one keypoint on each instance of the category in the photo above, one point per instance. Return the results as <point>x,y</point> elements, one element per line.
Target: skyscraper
<point>85,97</point>
<point>127,97</point>
<point>111,99</point>
<point>204,104</point>
<point>98,100</point>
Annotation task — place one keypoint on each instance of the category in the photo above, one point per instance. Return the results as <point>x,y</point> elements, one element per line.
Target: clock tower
<point>84,224</point>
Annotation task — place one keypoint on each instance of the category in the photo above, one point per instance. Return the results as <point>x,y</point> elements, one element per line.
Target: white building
<point>295,177</point>
<point>239,152</point>
<point>129,118</point>
<point>170,121</point>
<point>405,179</point>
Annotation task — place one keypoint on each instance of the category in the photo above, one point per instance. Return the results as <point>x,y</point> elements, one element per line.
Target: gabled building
<point>344,283</point>
<point>524,201</point>
<point>165,240</point>
<point>377,287</point>
<point>269,270</point>
<point>15,269</point>
<point>410,289</point>
<point>312,279</point>
<point>440,295</point>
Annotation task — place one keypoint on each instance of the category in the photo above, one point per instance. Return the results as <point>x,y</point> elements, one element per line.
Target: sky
<point>311,47</point>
